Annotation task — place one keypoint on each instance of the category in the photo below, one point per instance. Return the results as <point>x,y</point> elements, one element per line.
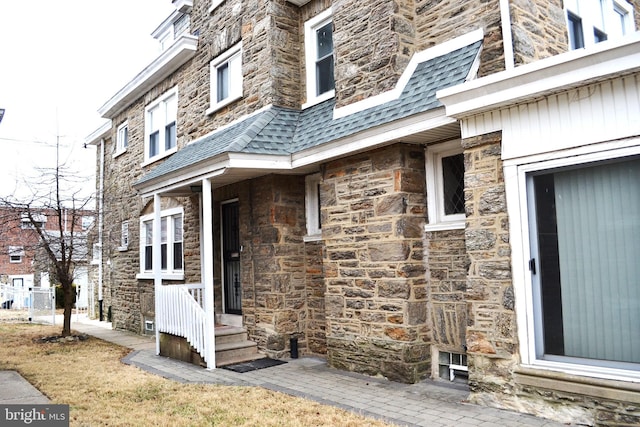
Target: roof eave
<point>182,50</point>
<point>551,75</point>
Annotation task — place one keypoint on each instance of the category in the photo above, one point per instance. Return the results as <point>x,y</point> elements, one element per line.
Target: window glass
<point>585,247</point>
<point>226,78</point>
<point>161,119</point>
<point>453,184</point>
<point>324,64</point>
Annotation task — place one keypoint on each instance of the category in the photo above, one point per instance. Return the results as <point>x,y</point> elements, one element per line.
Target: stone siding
<point>440,20</point>
<point>491,332</point>
<point>447,272</point>
<point>538,28</point>
<point>278,268</point>
<point>373,213</point>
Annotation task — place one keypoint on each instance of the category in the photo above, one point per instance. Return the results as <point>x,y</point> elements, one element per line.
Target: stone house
<point>376,185</point>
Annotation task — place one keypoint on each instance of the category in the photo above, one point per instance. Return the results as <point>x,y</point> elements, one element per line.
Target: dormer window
<point>319,58</point>
<point>171,29</point>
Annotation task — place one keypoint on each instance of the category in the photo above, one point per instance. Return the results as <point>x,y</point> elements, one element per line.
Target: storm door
<point>231,258</point>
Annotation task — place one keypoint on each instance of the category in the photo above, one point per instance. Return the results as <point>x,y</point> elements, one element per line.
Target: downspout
<point>156,261</point>
<point>100,226</point>
<point>507,37</point>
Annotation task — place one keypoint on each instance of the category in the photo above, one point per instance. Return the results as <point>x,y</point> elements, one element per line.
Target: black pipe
<point>100,310</point>
<point>293,345</point>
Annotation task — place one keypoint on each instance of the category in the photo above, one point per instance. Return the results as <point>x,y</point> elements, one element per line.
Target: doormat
<point>253,365</point>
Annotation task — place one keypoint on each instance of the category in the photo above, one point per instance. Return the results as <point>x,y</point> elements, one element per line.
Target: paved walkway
<point>423,404</point>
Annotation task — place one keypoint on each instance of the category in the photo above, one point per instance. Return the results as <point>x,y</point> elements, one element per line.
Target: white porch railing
<point>181,312</point>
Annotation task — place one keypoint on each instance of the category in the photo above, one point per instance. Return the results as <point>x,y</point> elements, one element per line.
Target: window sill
<point>123,248</point>
<point>165,276</point>
<point>221,104</point>
<point>312,238</point>
<point>443,226</point>
<point>159,157</point>
<point>119,153</point>
<point>318,99</point>
<point>579,382</point>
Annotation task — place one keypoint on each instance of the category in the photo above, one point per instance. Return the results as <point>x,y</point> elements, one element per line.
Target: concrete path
<point>427,403</point>
<point>16,390</point>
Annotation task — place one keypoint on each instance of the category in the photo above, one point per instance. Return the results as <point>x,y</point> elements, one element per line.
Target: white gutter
<point>553,74</point>
<point>507,37</point>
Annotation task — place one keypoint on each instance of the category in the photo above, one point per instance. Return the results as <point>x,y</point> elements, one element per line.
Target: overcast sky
<point>61,60</point>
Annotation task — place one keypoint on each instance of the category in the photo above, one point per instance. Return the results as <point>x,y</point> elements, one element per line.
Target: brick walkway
<point>424,404</point>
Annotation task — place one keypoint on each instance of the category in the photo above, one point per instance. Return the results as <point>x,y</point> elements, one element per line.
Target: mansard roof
<point>285,132</point>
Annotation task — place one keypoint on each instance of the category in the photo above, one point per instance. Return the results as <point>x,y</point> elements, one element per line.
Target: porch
<point>181,322</point>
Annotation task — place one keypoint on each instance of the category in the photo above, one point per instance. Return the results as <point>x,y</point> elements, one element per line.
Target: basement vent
<point>453,366</point>
<point>148,325</point>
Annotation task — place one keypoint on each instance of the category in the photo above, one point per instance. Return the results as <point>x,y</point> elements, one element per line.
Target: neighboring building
<point>23,263</point>
<point>289,168</point>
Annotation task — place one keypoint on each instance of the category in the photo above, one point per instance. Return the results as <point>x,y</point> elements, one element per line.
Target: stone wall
<point>538,28</point>
<point>282,276</point>
<point>447,272</point>
<point>373,213</point>
<point>373,46</point>
<point>440,20</point>
<point>491,332</point>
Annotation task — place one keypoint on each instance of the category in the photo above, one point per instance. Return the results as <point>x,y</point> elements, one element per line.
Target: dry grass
<point>101,391</point>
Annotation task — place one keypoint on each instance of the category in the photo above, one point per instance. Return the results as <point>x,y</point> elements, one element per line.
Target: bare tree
<point>59,196</point>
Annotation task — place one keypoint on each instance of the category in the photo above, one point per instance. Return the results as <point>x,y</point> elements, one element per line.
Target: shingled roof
<point>282,131</point>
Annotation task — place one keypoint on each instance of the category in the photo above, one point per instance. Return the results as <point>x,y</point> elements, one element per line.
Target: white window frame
<point>520,236</point>
<point>311,54</point>
<point>233,59</point>
<point>215,4</point>
<point>168,114</point>
<point>312,207</point>
<point>124,236</point>
<point>435,188</point>
<point>601,15</point>
<point>122,139</point>
<point>169,273</point>
<point>16,251</point>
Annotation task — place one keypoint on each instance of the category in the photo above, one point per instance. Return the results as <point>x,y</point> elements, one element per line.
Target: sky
<point>60,61</point>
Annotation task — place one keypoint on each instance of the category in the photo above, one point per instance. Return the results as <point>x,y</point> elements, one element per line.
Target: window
<point>15,254</point>
<point>160,126</point>
<point>124,236</point>
<point>452,366</point>
<point>445,186</point>
<point>312,205</point>
<point>319,58</point>
<point>583,235</point>
<point>39,220</point>
<point>226,78</point>
<point>122,138</point>
<point>594,21</point>
<point>87,222</point>
<point>95,254</point>
<point>171,243</point>
<point>171,30</point>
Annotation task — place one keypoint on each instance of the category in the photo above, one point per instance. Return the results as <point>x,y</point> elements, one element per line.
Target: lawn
<point>102,391</point>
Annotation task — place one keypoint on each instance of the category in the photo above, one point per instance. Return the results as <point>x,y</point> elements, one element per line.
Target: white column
<point>207,278</point>
<point>156,262</point>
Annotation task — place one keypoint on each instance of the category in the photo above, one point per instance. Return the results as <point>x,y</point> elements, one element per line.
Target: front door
<point>231,258</point>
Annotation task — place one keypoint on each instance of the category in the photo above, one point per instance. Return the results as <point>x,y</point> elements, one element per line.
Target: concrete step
<point>232,346</point>
<point>229,334</point>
